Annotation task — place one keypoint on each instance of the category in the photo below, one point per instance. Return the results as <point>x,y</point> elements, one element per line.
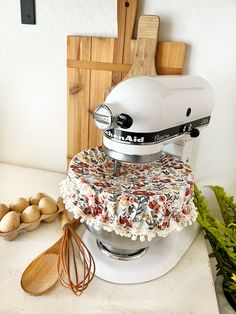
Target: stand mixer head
<point>142,114</point>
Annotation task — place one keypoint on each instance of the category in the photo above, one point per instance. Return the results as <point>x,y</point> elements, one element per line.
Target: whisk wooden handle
<point>64,216</point>
<point>65,220</point>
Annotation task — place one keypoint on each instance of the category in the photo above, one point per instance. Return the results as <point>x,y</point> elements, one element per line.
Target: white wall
<point>33,76</point>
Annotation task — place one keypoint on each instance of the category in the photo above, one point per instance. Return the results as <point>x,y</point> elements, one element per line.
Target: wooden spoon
<point>41,274</point>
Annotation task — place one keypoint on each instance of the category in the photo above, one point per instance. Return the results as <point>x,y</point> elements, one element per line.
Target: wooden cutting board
<point>94,64</point>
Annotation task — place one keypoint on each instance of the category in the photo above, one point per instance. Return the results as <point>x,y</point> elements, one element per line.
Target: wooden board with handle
<point>94,64</point>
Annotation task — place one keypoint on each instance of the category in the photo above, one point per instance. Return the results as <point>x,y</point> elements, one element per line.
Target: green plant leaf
<point>222,236</point>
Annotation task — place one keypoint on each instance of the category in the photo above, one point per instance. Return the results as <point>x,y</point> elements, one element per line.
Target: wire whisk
<point>71,246</point>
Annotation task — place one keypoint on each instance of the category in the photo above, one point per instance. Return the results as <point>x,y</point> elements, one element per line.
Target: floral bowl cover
<point>146,200</point>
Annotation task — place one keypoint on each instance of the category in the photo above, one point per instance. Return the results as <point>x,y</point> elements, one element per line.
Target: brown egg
<point>3,210</point>
<point>34,200</point>
<point>10,222</point>
<point>20,204</point>
<point>47,206</point>
<point>30,214</point>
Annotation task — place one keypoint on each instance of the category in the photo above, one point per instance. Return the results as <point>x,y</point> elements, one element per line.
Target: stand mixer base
<point>158,259</point>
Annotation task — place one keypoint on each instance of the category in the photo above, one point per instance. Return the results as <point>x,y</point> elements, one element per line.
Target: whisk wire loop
<point>68,242</point>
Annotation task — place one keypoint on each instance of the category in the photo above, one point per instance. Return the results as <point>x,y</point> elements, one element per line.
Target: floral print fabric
<point>146,200</point>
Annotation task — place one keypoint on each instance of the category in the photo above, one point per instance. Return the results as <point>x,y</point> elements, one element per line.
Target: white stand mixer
<point>142,117</point>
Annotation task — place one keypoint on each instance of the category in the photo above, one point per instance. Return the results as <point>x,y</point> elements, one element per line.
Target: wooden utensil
<point>144,59</point>
<point>42,273</point>
<point>54,263</point>
<point>145,54</point>
<point>70,241</point>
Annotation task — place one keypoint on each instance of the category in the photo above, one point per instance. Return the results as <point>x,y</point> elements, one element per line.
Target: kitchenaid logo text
<point>156,137</point>
<point>125,138</point>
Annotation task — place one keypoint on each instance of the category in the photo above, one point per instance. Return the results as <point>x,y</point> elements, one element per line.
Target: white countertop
<point>188,288</point>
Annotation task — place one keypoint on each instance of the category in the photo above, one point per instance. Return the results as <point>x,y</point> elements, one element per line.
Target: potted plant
<point>222,237</point>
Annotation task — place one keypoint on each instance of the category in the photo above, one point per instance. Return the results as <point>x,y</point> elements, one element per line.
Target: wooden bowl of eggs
<point>26,214</point>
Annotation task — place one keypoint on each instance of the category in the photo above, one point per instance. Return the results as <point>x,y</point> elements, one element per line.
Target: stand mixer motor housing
<point>142,114</point>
